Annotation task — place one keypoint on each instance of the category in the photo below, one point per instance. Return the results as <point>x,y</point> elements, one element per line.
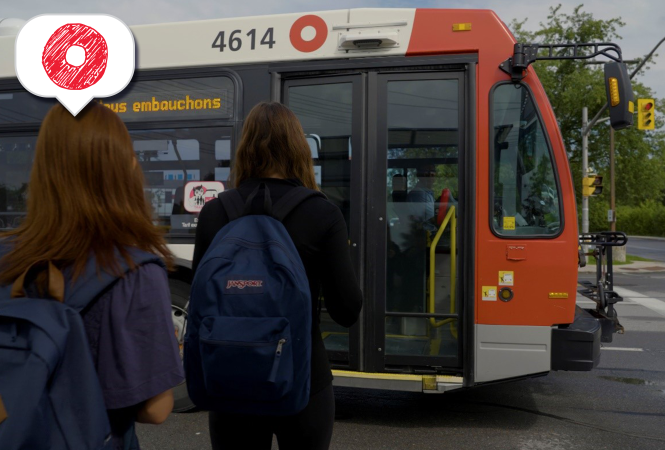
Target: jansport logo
<point>242,284</point>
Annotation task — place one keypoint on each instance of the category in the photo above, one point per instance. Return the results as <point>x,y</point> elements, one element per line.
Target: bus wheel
<point>179,298</point>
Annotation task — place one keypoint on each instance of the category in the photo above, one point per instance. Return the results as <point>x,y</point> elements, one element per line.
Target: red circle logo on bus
<point>317,41</point>
<point>70,76</point>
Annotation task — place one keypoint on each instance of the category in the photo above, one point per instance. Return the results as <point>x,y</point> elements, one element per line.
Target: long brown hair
<point>85,195</point>
<point>273,143</point>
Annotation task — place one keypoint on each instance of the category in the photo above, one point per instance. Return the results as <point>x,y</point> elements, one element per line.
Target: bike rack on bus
<point>603,291</point>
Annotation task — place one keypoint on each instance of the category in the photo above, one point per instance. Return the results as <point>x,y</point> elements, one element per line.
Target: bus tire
<point>179,298</point>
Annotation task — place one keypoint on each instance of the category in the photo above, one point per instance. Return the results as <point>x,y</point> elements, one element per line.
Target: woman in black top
<point>273,150</point>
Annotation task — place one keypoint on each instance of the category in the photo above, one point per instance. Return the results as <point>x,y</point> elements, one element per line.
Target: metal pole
<point>585,170</point>
<point>646,58</point>
<point>613,224</point>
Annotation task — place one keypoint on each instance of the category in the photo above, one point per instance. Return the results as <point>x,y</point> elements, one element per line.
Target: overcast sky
<point>645,19</point>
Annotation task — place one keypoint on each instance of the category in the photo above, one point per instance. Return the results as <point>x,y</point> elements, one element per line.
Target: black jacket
<point>319,233</point>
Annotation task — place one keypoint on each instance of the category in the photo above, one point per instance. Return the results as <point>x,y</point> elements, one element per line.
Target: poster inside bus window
<point>198,193</point>
<point>199,98</point>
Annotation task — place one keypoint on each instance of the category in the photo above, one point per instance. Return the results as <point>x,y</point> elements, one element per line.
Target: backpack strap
<point>236,207</point>
<point>91,284</point>
<point>56,282</point>
<point>267,201</point>
<point>291,199</point>
<point>232,203</point>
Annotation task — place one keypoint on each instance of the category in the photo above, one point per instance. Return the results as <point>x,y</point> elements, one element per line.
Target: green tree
<point>573,84</point>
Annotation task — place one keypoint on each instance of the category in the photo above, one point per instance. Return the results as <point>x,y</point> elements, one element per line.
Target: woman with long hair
<point>273,151</point>
<point>86,201</point>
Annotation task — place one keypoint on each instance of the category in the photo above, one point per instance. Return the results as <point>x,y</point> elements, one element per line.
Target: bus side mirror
<point>619,95</point>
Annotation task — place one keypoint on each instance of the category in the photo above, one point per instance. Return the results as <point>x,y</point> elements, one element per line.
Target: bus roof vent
<point>11,27</point>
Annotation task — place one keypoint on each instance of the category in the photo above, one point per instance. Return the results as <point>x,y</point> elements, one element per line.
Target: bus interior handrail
<point>452,218</point>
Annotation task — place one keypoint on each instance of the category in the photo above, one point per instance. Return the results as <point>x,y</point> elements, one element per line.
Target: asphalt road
<point>619,405</point>
<point>650,248</point>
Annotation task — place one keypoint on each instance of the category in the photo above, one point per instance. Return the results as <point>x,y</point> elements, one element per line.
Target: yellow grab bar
<point>452,218</point>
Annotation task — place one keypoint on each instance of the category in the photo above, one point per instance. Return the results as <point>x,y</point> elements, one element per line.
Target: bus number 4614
<point>235,41</point>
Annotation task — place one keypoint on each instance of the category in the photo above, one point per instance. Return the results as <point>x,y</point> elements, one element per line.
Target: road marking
<point>623,349</point>
<point>651,303</point>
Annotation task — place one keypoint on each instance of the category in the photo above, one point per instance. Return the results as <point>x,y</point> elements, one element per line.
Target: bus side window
<point>525,192</point>
<point>16,155</point>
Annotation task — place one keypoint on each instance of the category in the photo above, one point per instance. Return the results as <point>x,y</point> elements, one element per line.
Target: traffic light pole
<point>613,222</point>
<point>585,168</point>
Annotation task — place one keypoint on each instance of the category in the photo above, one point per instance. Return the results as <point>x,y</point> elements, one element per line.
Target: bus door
<point>386,150</point>
<point>415,145</point>
<point>330,111</point>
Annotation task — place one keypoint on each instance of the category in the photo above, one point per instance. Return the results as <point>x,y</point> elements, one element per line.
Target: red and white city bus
<point>432,134</point>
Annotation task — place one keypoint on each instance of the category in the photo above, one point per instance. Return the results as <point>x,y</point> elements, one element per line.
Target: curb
<point>649,267</point>
<point>654,238</point>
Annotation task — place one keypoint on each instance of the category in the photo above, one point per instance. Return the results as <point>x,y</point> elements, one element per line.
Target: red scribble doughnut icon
<point>68,76</point>
<point>319,38</point>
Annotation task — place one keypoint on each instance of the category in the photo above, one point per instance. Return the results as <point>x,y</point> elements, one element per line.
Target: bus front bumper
<point>577,346</point>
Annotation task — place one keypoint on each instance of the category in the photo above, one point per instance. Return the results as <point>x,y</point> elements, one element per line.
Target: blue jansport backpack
<point>248,339</point>
<point>50,395</point>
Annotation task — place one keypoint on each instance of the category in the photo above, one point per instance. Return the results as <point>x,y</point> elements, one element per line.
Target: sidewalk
<point>635,267</point>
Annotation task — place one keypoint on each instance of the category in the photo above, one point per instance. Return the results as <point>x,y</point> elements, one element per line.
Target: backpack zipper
<point>276,359</point>
<point>279,347</point>
<point>275,364</point>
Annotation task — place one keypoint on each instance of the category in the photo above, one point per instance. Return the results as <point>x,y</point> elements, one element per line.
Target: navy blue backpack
<point>50,396</point>
<point>248,339</point>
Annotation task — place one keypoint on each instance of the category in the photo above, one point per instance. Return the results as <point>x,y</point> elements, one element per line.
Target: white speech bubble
<point>57,70</point>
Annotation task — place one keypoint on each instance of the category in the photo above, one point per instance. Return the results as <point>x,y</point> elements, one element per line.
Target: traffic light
<point>646,114</point>
<point>592,185</point>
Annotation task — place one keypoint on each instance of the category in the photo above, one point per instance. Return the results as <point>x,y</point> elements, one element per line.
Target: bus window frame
<point>557,180</point>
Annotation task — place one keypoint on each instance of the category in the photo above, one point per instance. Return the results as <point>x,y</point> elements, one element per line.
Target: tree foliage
<point>573,84</point>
